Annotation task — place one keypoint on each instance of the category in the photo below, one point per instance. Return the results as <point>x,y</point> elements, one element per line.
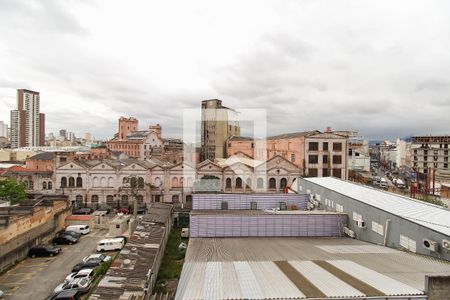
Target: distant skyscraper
<point>218,124</point>
<point>3,129</point>
<point>63,133</point>
<point>27,123</point>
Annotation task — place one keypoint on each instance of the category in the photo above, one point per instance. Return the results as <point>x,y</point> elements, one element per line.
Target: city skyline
<point>386,78</point>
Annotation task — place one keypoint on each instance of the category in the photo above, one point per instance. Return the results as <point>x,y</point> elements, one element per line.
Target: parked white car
<point>80,284</point>
<point>103,257</point>
<point>110,244</point>
<point>81,229</point>
<point>84,273</point>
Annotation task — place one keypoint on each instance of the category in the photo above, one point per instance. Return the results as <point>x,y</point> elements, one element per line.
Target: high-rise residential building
<point>218,124</point>
<point>63,133</point>
<point>27,123</point>
<point>431,155</point>
<point>3,129</point>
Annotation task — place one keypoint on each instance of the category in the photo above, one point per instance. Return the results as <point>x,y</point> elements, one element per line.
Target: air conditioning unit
<point>349,232</point>
<point>430,245</point>
<point>361,224</point>
<point>446,244</point>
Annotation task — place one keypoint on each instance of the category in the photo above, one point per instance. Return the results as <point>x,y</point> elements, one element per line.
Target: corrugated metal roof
<point>329,284</point>
<point>387,285</point>
<point>426,214</point>
<point>247,280</point>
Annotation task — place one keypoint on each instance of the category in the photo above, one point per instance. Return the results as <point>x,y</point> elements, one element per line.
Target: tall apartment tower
<point>27,123</point>
<point>218,124</point>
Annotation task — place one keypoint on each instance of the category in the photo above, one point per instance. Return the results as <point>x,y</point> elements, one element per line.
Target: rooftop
<point>44,156</point>
<point>425,214</point>
<point>296,268</point>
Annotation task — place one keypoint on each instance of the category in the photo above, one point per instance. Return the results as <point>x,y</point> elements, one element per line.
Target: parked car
<point>124,211</point>
<point>69,233</point>
<point>81,229</point>
<point>102,257</point>
<point>83,273</point>
<point>80,284</point>
<point>83,211</point>
<point>383,183</point>
<point>66,295</point>
<point>64,240</point>
<point>90,264</point>
<point>185,232</point>
<point>43,250</point>
<point>110,244</point>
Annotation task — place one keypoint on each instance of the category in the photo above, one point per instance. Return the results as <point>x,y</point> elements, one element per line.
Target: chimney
<point>328,129</point>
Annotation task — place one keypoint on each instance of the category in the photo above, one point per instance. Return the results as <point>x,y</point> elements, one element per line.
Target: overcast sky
<point>380,67</point>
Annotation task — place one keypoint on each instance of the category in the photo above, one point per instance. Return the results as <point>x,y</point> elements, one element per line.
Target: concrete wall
<point>397,226</point>
<point>437,287</point>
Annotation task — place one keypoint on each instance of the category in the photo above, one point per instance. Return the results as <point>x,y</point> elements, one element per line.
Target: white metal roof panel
<point>213,285</point>
<point>247,280</point>
<point>194,287</point>
<point>355,249</point>
<point>425,214</point>
<point>383,283</point>
<point>273,282</point>
<point>329,284</point>
<point>232,289</point>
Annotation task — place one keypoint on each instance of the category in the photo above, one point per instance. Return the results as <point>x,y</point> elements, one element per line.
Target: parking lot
<point>36,278</point>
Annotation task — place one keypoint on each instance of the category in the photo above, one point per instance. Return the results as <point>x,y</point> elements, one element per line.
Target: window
<point>49,185</point>
<point>124,200</point>
<point>313,159</point>
<point>71,182</point>
<point>283,184</point>
<point>63,182</point>
<point>175,199</point>
<point>94,199</point>
<point>140,199</point>
<point>325,172</point>
<point>325,146</point>
<point>325,159</point>
<point>174,182</point>
<point>378,228</point>
<point>253,205</point>
<point>133,182</point>
<point>337,146</point>
<point>228,183</point>
<point>239,182</point>
<point>272,183</point>
<point>140,182</point>
<point>260,183</point>
<point>282,206</point>
<point>357,217</point>
<point>312,172</point>
<point>339,208</point>
<point>292,157</point>
<point>79,182</point>
<point>337,159</point>
<point>337,173</point>
<point>407,243</point>
<point>248,182</point>
<point>313,146</point>
<point>224,205</point>
<point>44,185</point>
<point>110,200</point>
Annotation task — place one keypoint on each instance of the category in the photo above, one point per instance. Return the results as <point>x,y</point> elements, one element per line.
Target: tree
<point>12,191</point>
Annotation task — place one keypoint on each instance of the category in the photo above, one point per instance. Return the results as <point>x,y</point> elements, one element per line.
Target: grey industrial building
<point>384,218</point>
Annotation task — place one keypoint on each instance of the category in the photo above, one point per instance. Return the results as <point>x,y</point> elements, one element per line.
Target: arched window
<point>44,185</point>
<point>283,183</point>
<point>71,182</point>
<point>181,182</point>
<point>124,200</point>
<point>189,182</point>
<point>248,182</point>
<point>110,200</point>
<point>260,183</point>
<point>30,184</point>
<point>140,199</point>
<point>103,182</point>
<point>175,198</point>
<point>110,182</point>
<point>125,180</point>
<point>272,183</point>
<point>133,182</point>
<point>239,182</point>
<point>79,182</point>
<point>49,185</point>
<point>157,182</point>
<point>63,182</point>
<point>140,182</point>
<point>95,182</point>
<point>174,182</point>
<point>94,199</point>
<point>228,183</point>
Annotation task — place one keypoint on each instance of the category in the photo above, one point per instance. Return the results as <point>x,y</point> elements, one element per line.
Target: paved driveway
<point>36,278</point>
